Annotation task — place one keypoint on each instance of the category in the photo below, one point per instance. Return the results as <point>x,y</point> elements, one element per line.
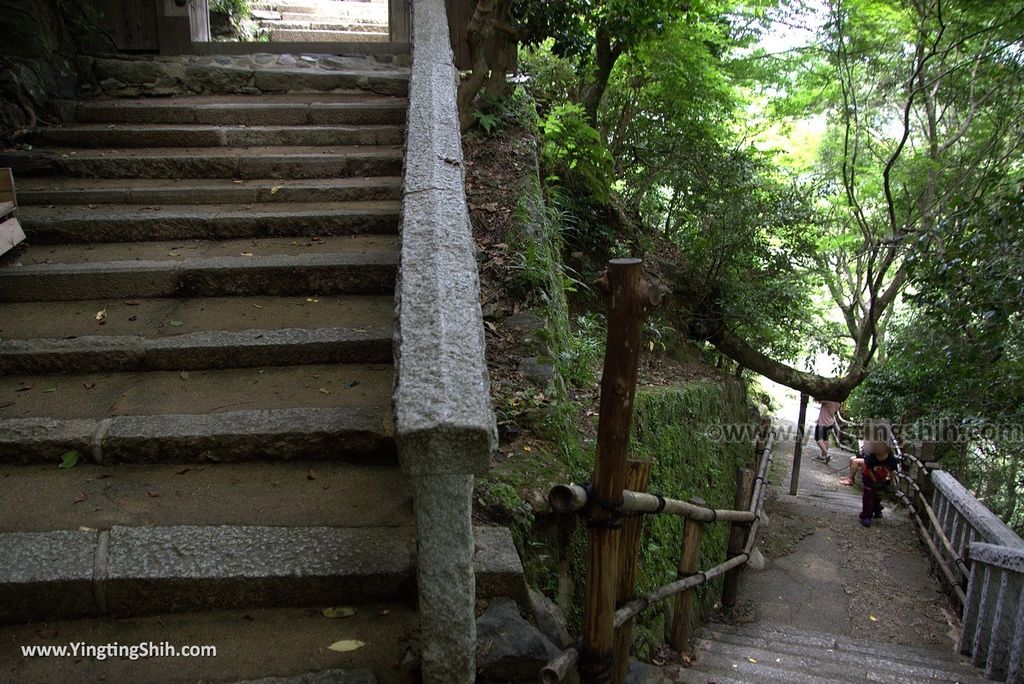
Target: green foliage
<point>237,9</point>
<point>574,155</point>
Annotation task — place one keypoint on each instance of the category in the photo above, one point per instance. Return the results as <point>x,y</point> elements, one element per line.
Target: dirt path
<point>825,571</point>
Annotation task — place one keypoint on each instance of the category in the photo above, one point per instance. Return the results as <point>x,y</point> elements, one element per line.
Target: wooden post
<point>689,563</point>
<point>637,473</point>
<point>629,303</point>
<point>737,533</point>
<point>794,481</point>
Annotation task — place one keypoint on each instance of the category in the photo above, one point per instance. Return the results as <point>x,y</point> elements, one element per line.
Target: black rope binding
<point>614,508</point>
<point>661,503</point>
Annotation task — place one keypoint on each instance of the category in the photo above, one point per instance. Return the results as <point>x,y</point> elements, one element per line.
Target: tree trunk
<point>604,59</point>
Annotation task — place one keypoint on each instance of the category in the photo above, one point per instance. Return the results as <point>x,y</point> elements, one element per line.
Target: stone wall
<point>37,62</point>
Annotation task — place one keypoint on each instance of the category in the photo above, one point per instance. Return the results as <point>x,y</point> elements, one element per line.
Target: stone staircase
<point>202,318</point>
<point>322,20</point>
<point>727,654</point>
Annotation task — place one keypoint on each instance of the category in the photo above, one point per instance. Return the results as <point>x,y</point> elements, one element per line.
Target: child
<point>876,473</point>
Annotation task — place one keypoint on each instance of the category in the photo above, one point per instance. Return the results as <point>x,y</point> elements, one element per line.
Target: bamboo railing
<point>745,521</point>
<point>615,501</point>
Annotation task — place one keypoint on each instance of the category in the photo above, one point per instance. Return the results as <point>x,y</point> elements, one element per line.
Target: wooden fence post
<point>629,303</point>
<point>637,473</point>
<point>737,533</point>
<point>689,563</point>
<point>794,481</point>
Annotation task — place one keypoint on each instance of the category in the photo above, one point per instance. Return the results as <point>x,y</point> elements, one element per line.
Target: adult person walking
<point>825,425</point>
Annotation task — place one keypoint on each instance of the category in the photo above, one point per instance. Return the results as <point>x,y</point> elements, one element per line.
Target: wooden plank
<point>399,21</point>
<point>10,234</point>
<point>132,24</point>
<point>7,186</point>
<point>199,16</point>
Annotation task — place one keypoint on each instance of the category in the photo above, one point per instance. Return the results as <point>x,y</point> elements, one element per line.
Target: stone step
<point>836,659</point>
<point>149,570</point>
<point>193,334</point>
<point>242,75</point>
<point>315,36</point>
<point>314,411</point>
<point>200,135</point>
<point>266,110</point>
<point>209,162</point>
<point>369,16</point>
<point>61,191</point>
<point>332,265</point>
<point>119,223</point>
<point>310,7</point>
<point>251,644</point>
<point>40,498</point>
<point>321,23</point>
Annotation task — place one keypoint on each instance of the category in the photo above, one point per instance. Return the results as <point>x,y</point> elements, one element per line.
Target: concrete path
<point>832,592</point>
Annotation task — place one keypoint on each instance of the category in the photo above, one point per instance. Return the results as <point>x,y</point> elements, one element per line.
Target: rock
<point>537,372</point>
<point>509,649</point>
<point>263,58</point>
<point>643,673</point>
<point>286,60</point>
<point>110,84</point>
<point>133,71</point>
<point>524,321</point>
<point>756,561</point>
<point>489,311</point>
<point>550,619</point>
<point>219,78</point>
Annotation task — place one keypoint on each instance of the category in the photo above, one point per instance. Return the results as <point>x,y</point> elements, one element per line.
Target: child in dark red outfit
<point>877,473</point>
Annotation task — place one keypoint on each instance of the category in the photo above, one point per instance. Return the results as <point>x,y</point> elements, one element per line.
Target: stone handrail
<point>445,427</point>
<point>992,624</point>
<point>992,629</point>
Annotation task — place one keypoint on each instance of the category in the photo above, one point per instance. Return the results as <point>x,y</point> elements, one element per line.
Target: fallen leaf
<point>324,390</point>
<point>362,331</point>
<point>81,497</point>
<point>751,659</point>
<point>101,315</point>
<point>69,459</point>
<point>872,618</point>
<point>153,495</point>
<point>49,389</point>
<point>246,254</point>
<point>338,612</point>
<point>312,300</point>
<point>650,346</point>
<point>311,475</point>
<point>257,306</point>
<point>175,324</point>
<point>527,448</point>
<point>352,384</point>
<point>183,375</point>
<point>174,254</point>
<point>236,181</point>
<point>346,645</point>
<point>273,190</point>
<point>133,317</point>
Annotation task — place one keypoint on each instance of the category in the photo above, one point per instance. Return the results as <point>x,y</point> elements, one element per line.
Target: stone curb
<point>64,191</point>
<point>321,677</point>
<point>196,351</point>
<point>353,434</point>
<point>340,273</point>
<point>76,224</point>
<point>132,571</point>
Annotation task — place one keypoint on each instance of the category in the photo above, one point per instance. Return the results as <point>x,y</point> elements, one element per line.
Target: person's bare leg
<point>855,465</point>
<point>823,445</point>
